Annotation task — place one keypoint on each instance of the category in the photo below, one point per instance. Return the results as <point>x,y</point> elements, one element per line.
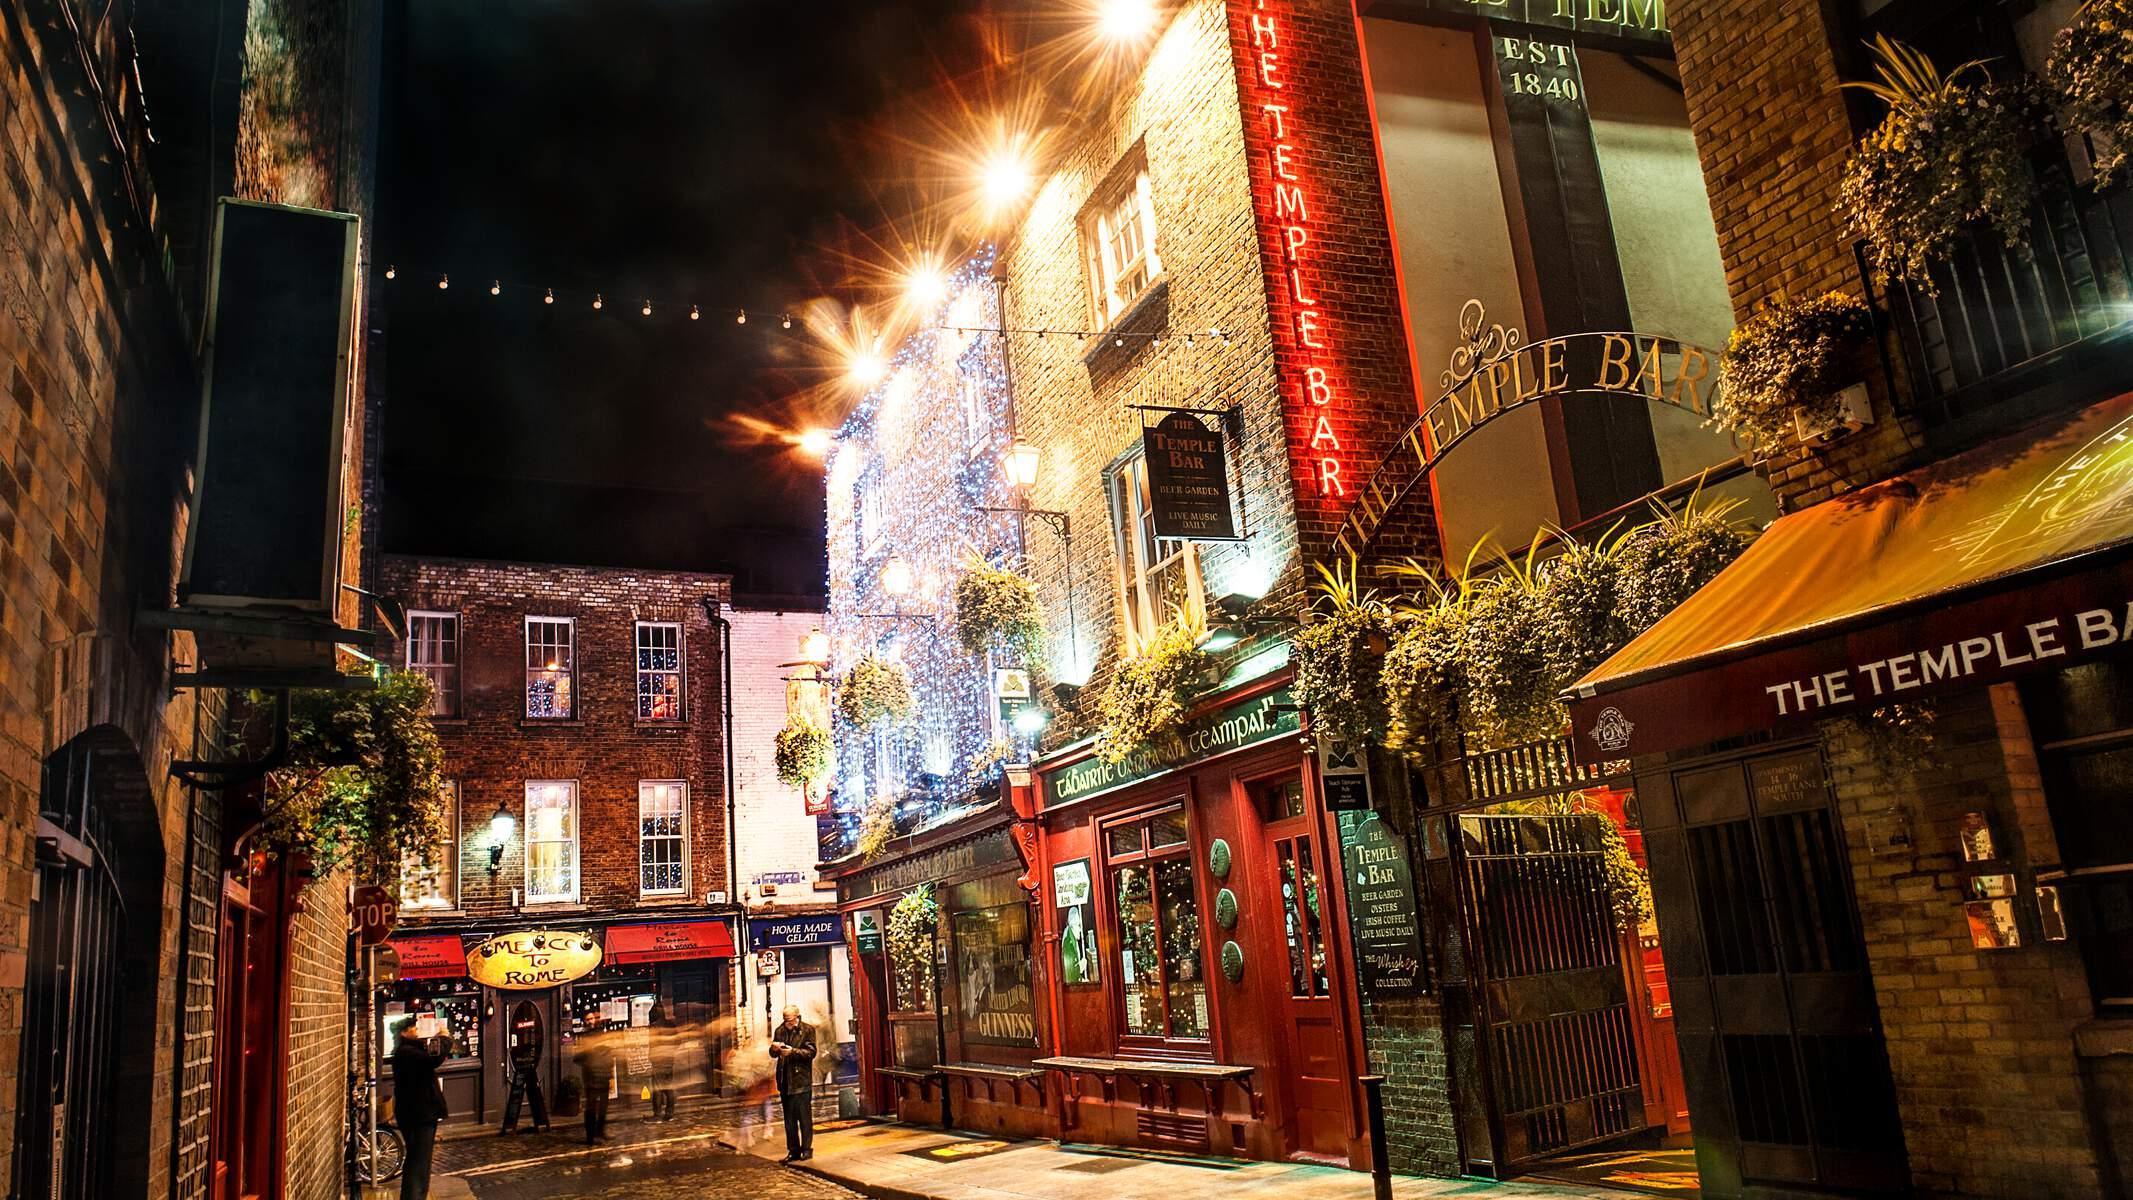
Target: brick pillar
<point>1773,130</point>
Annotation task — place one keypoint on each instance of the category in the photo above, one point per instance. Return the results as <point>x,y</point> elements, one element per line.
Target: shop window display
<point>435,1014</point>
<point>994,1000</point>
<point>1162,966</point>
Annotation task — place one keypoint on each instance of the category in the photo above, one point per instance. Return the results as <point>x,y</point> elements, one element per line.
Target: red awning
<point>676,939</point>
<point>2011,558</point>
<point>431,957</point>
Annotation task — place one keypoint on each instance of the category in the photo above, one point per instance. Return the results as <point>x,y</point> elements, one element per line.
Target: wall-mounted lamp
<point>1021,464</point>
<point>1029,719</point>
<point>1067,694</point>
<point>896,576</point>
<point>501,823</point>
<point>815,647</point>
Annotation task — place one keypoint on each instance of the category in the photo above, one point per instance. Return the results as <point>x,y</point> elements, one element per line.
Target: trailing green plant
<point>913,923</point>
<point>997,607</point>
<point>1666,560</point>
<point>803,753</point>
<point>877,828</point>
<point>876,691</point>
<point>1900,739</point>
<point>362,784</point>
<point>2091,70</point>
<point>1949,152</point>
<point>1786,364</point>
<point>1424,672</point>
<point>1337,658</point>
<point>1580,602</point>
<point>1508,696</point>
<point>1150,692</point>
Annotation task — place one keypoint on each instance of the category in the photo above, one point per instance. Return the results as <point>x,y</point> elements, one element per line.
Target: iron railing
<point>2005,336</point>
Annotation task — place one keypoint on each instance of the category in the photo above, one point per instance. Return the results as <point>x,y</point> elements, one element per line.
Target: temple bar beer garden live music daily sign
<point>1188,479</point>
<point>1381,906</point>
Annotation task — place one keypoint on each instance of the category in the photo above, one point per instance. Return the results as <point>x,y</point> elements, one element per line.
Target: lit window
<point>1159,578</point>
<point>1118,236</point>
<point>433,882</point>
<point>433,650</point>
<point>867,503</point>
<point>662,837</point>
<point>549,671</point>
<point>1162,977</point>
<point>551,841</point>
<point>658,671</point>
<point>977,413</point>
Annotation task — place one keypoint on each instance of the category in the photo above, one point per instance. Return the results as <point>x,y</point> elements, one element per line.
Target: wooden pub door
<point>1294,871</point>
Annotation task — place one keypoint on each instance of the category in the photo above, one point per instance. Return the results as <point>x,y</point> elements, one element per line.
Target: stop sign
<point>371,913</point>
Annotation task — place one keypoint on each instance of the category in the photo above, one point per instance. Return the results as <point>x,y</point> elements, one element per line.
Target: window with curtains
<point>1162,973</point>
<point>551,841</point>
<point>663,837</point>
<point>433,652</point>
<point>550,667</point>
<point>1159,578</point>
<point>658,670</point>
<point>432,882</point>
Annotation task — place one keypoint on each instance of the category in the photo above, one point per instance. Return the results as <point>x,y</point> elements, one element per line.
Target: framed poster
<point>993,993</point>
<point>1072,895</point>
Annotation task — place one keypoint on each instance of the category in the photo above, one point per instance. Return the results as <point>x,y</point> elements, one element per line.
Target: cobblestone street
<point>693,1156</point>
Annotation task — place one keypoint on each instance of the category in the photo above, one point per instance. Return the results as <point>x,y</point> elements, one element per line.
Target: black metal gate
<point>1536,1005</point>
<point>71,996</point>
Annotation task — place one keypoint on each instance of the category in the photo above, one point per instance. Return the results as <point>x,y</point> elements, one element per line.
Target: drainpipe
<point>725,708</point>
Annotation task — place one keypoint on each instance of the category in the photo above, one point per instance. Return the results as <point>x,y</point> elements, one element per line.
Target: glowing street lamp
<point>501,823</point>
<point>815,647</point>
<point>896,576</point>
<point>817,442</point>
<point>1022,462</point>
<point>925,287</point>
<point>1126,20</point>
<point>866,368</point>
<point>1004,178</point>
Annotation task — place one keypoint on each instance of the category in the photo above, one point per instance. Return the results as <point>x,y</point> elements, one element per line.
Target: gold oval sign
<point>533,958</point>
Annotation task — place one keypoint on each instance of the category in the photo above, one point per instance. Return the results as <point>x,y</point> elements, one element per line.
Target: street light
<point>815,647</point>
<point>501,823</point>
<point>896,576</point>
<point>1126,20</point>
<point>817,442</point>
<point>1022,462</point>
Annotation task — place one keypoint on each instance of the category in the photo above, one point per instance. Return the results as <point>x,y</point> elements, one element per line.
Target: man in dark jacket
<point>596,1067</point>
<point>417,1105</point>
<point>525,1071</point>
<point>793,1046</point>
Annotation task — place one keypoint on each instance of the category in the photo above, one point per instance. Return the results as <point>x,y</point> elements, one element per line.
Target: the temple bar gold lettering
<point>1631,17</point>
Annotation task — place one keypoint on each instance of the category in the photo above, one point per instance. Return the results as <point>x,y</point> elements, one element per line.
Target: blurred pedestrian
<point>418,1104</point>
<point>596,1069</point>
<point>793,1046</point>
<point>525,1071</point>
<point>663,1034</point>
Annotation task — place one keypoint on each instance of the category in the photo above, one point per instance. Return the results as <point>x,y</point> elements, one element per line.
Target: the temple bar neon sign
<point>1311,331</point>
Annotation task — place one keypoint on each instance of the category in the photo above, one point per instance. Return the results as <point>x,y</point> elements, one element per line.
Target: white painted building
<point>795,952</point>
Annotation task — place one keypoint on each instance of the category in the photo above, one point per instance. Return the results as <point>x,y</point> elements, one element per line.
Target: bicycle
<point>379,1157</point>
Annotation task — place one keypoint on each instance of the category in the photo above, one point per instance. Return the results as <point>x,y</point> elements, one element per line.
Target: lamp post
<point>1021,465</point>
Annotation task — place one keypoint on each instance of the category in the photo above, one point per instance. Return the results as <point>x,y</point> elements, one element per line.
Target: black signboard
<point>1188,479</point>
<point>1633,20</point>
<point>1381,906</point>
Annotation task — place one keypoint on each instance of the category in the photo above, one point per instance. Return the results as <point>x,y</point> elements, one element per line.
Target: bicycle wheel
<point>391,1156</point>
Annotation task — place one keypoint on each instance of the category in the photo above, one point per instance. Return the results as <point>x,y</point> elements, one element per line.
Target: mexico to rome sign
<point>533,958</point>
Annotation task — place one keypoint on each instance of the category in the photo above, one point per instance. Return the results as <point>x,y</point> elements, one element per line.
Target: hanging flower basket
<point>2091,69</point>
<point>876,691</point>
<point>363,783</point>
<point>803,754</point>
<point>1149,693</point>
<point>1337,656</point>
<point>1949,153</point>
<point>913,922</point>
<point>998,608</point>
<point>1785,366</point>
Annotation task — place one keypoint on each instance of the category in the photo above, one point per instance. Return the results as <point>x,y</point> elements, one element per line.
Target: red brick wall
<point>492,749</point>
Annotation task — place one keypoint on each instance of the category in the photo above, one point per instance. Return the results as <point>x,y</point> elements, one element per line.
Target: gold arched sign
<point>533,958</point>
<point>1495,371</point>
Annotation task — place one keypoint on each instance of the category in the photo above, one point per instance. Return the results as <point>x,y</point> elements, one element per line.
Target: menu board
<point>1381,906</point>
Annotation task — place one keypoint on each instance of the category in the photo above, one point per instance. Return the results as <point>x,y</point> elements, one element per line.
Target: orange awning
<point>2010,558</point>
<point>671,940</point>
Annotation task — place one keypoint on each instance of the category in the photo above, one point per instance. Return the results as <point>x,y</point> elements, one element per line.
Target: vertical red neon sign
<point>1288,173</point>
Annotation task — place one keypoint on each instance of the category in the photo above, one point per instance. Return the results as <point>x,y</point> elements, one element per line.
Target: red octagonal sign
<point>371,914</point>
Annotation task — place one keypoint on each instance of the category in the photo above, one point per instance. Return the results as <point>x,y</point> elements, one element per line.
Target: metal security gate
<point>71,997</point>
<point>1554,1033</point>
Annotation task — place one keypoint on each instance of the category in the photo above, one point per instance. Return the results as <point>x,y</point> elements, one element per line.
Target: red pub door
<point>1295,874</point>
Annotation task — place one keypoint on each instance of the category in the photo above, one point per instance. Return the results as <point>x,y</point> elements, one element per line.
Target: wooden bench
<point>1151,1075</point>
<point>992,1075</point>
<point>922,1079</point>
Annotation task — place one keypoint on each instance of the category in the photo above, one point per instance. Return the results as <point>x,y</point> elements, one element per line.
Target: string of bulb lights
<point>597,300</point>
<point>1210,337</point>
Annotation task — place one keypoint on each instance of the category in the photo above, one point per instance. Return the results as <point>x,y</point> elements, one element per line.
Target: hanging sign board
<point>1344,774</point>
<point>533,958</point>
<point>866,930</point>
<point>1188,479</point>
<point>1381,907</point>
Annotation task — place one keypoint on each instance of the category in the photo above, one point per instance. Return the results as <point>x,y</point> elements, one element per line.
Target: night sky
<point>728,151</point>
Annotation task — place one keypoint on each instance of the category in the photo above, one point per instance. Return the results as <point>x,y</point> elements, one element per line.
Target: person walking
<point>663,1049</point>
<point>418,1104</point>
<point>596,1067</point>
<point>793,1046</point>
<point>525,1069</point>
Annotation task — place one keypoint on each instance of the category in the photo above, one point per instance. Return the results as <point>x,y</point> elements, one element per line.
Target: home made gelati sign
<point>533,958</point>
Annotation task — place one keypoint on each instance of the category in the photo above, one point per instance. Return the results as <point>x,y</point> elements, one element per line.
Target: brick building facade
<point>588,706</point>
<point>103,284</point>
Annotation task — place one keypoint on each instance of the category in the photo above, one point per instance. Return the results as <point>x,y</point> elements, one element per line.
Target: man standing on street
<point>525,1068</point>
<point>793,1045</point>
<point>596,1067</point>
<point>418,1104</point>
